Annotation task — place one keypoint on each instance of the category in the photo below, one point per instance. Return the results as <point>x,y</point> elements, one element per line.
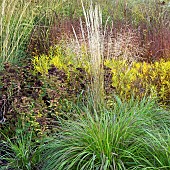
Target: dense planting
<point>84,85</point>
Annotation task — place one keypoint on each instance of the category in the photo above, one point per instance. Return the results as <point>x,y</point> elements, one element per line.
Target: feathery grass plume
<point>93,36</point>
<point>106,139</point>
<point>127,45</point>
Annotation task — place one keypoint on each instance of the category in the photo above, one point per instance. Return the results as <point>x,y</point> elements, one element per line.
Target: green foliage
<point>141,78</point>
<point>156,146</point>
<point>18,20</point>
<point>108,139</point>
<point>20,152</point>
<point>70,9</point>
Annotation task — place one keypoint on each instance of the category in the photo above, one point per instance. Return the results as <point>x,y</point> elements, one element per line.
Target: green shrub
<point>141,78</point>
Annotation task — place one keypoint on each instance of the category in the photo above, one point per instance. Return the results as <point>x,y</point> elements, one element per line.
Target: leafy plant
<point>56,57</point>
<point>141,78</point>
<point>37,99</point>
<point>21,99</point>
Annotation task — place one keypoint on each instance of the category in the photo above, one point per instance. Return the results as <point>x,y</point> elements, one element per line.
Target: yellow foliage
<point>141,78</point>
<point>138,78</point>
<point>43,63</point>
<point>61,58</point>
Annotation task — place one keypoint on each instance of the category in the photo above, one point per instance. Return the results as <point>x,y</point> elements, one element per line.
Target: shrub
<point>56,58</point>
<point>63,66</point>
<point>141,78</point>
<point>37,97</point>
<point>22,99</point>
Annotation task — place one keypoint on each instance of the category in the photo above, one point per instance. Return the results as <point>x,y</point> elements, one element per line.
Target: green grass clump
<point>115,139</point>
<point>156,149</point>
<point>21,151</point>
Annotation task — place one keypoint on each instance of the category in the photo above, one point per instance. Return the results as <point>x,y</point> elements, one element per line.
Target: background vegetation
<point>85,82</point>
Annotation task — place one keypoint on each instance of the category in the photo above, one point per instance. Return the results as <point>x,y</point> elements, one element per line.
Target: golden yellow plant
<point>141,79</point>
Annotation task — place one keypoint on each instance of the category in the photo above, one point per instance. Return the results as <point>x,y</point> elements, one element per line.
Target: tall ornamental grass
<point>125,137</point>
<point>93,34</point>
<point>16,22</point>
